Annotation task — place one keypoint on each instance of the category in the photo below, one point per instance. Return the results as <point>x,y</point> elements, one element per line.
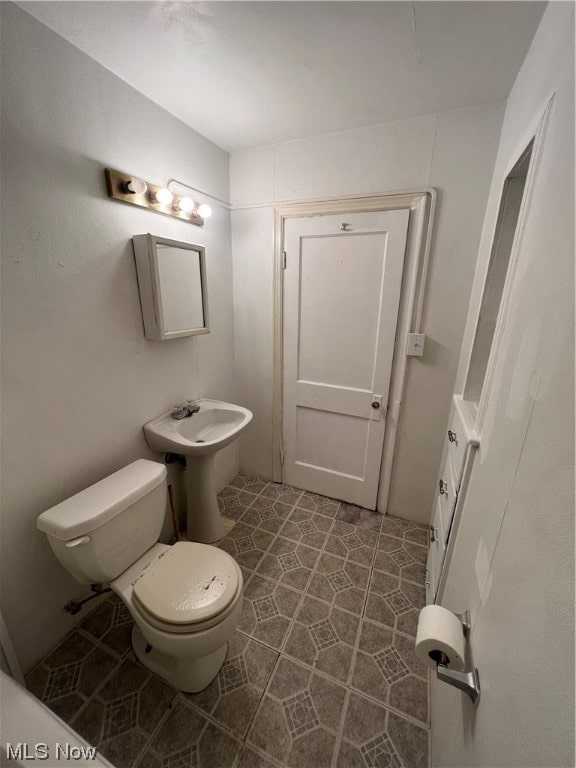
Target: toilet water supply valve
<point>75,606</point>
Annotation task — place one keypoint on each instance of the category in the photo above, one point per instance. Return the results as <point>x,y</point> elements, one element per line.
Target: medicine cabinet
<point>172,283</point>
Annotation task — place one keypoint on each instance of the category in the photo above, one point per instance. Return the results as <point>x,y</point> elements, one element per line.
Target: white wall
<point>79,377</point>
<point>513,563</point>
<point>452,151</point>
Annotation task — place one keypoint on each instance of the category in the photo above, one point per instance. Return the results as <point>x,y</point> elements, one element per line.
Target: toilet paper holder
<point>468,682</point>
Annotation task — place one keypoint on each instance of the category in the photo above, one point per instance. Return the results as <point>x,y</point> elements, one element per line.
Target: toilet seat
<point>188,589</point>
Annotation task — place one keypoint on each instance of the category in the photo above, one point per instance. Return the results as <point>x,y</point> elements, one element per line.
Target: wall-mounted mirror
<point>172,283</point>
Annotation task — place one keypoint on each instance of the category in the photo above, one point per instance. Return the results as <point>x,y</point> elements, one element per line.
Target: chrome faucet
<point>183,411</point>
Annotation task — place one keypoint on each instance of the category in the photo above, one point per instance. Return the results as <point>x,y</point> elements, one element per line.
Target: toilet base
<point>188,674</point>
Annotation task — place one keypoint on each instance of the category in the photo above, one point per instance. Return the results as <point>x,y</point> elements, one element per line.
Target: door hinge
<point>282,457</point>
<point>283,259</point>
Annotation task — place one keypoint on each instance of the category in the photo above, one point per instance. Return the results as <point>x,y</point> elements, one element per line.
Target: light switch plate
<point>416,343</point>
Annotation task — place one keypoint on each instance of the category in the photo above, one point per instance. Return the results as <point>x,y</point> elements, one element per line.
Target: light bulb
<point>136,186</point>
<point>185,204</point>
<point>164,196</point>
<point>204,211</point>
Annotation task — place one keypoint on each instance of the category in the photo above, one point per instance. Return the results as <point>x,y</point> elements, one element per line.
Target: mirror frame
<point>146,257</point>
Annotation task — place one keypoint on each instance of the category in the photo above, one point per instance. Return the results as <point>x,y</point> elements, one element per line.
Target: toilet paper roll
<point>440,630</point>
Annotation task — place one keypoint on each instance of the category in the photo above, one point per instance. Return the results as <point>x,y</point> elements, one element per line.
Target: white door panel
<point>341,296</point>
<point>335,289</point>
<point>328,397</point>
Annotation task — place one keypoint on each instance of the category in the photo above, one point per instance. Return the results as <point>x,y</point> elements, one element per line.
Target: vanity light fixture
<point>163,196</point>
<point>204,211</point>
<point>136,187</point>
<point>185,204</point>
<point>131,189</point>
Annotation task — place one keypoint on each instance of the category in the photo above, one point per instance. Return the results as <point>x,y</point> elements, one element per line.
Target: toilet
<point>185,599</point>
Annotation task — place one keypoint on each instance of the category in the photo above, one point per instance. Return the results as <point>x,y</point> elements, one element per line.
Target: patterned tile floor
<point>320,673</point>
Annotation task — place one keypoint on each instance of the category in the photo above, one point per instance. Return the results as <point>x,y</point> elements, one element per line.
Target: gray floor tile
<point>352,543</point>
<point>299,717</point>
<point>374,736</point>
<point>401,563</point>
<point>123,750</point>
<point>124,713</point>
<point>233,502</point>
<point>67,678</point>
<point>266,514</point>
<point>284,493</point>
<point>111,623</point>
<point>288,562</point>
<point>323,637</point>
<point>363,518</point>
<point>233,696</point>
<point>268,610</point>
<point>321,504</point>
<point>406,530</point>
<point>404,551</point>
<point>247,482</point>
<point>340,582</point>
<point>386,669</point>
<point>246,544</point>
<point>394,602</point>
<point>305,527</point>
<point>249,758</point>
<point>188,739</point>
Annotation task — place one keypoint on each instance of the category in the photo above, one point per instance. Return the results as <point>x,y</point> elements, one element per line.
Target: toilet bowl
<point>185,599</point>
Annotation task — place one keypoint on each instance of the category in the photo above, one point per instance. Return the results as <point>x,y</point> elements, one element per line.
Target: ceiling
<point>246,74</point>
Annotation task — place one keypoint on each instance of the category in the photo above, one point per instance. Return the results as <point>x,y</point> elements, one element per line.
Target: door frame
<point>421,204</point>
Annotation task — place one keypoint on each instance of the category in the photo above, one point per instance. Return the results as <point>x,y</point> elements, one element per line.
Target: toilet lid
<point>190,583</point>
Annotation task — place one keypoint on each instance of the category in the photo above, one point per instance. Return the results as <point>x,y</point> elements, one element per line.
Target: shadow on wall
<point>433,353</point>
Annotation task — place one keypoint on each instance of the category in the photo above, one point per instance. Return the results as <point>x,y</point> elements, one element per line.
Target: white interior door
<point>341,295</point>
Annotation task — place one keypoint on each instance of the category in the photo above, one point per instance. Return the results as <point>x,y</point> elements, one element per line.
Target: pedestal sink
<point>199,437</point>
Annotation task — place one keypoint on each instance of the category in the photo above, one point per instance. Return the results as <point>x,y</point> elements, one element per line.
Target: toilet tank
<point>98,533</point>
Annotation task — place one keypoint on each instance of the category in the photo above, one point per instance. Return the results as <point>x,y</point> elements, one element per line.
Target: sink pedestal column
<point>204,521</point>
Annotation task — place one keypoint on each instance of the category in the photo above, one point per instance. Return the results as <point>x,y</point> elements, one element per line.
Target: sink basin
<point>214,426</point>
<point>199,437</point>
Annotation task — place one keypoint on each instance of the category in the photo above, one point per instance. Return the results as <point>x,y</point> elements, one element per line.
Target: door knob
<point>375,405</point>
